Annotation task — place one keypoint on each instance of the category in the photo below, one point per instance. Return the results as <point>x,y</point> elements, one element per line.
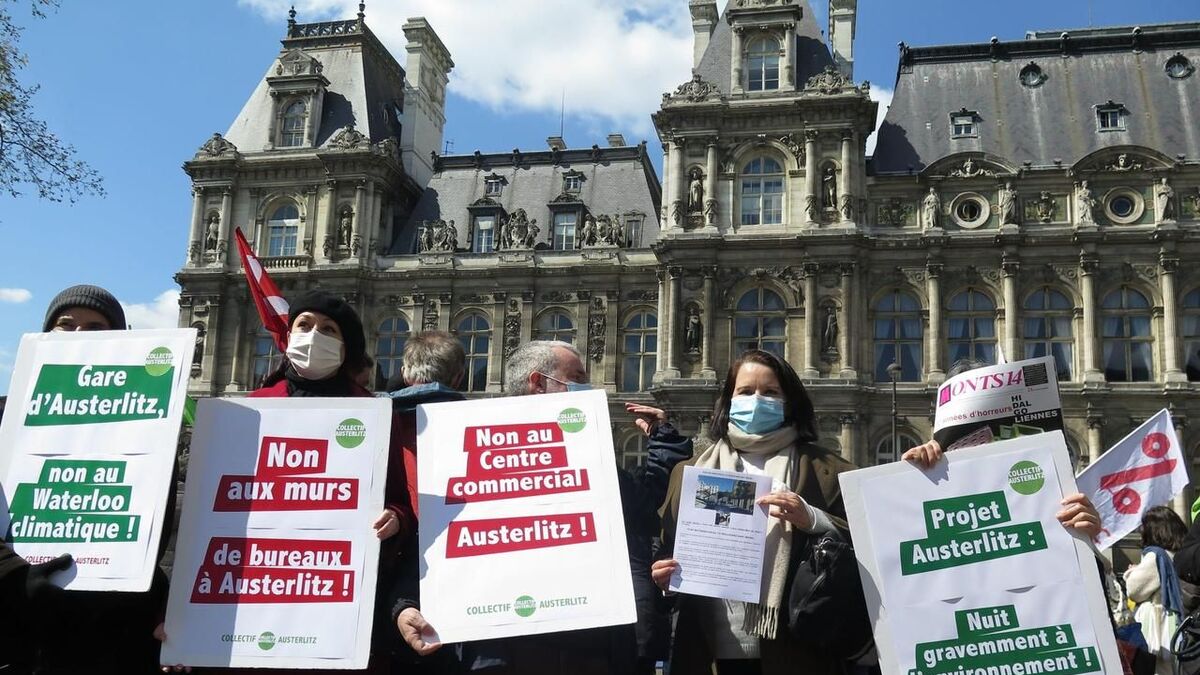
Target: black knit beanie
<point>342,314</point>
<point>88,297</point>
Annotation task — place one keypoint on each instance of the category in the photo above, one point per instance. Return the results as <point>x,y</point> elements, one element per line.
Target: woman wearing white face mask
<point>763,424</point>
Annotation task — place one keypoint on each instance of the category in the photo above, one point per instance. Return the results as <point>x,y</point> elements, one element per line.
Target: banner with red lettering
<point>521,527</point>
<point>276,561</point>
<point>998,402</point>
<point>1146,469</point>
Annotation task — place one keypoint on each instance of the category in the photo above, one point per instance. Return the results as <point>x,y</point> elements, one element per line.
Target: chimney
<point>842,19</point>
<point>426,71</point>
<point>704,21</point>
<point>556,143</point>
<point>616,141</point>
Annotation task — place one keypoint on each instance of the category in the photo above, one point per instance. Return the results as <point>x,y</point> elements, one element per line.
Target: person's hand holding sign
<point>925,455</point>
<point>661,572</point>
<point>387,524</point>
<point>414,629</point>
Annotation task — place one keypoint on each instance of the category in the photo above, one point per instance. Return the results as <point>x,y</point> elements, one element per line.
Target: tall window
<point>898,336</point>
<point>762,65</point>
<point>292,133</point>
<point>266,357</point>
<point>1047,321</point>
<point>282,228</point>
<point>555,326</point>
<point>564,230</point>
<point>633,452</point>
<point>1126,336</point>
<point>389,350</point>
<point>760,322</point>
<point>633,231</point>
<point>972,327</point>
<point>639,352</point>
<point>1191,334</point>
<point>475,334</point>
<point>884,452</point>
<point>485,234</point>
<point>762,192</point>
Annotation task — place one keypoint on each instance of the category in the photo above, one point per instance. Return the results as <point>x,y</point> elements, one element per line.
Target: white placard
<point>521,522</point>
<point>276,561</point>
<point>998,402</point>
<point>87,447</point>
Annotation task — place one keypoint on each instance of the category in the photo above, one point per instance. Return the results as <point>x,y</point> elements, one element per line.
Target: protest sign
<point>276,562</point>
<point>521,522</point>
<point>973,547</point>
<point>1146,469</point>
<point>88,447</point>
<point>997,403</point>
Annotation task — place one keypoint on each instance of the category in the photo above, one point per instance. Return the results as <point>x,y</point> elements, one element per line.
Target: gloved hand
<point>37,582</point>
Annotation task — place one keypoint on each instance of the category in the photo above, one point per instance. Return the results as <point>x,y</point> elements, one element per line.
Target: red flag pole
<point>272,308</point>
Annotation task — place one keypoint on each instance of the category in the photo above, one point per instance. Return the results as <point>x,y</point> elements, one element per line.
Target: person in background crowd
<point>84,308</point>
<point>763,424</point>
<point>365,377</point>
<point>549,367</point>
<point>1153,585</point>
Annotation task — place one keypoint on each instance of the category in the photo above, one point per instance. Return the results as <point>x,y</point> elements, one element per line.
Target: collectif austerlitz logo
<point>524,606</point>
<point>159,361</point>
<point>266,641</point>
<point>350,433</point>
<point>1026,477</point>
<point>572,420</point>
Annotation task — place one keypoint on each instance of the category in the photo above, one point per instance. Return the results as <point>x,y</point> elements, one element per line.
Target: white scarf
<point>762,618</point>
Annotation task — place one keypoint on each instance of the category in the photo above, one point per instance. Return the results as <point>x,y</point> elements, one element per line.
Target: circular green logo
<point>1026,477</point>
<point>266,641</point>
<point>524,606</point>
<point>350,433</point>
<point>572,420</point>
<point>159,361</point>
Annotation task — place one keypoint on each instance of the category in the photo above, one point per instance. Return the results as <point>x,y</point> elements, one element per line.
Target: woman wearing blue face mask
<point>763,424</point>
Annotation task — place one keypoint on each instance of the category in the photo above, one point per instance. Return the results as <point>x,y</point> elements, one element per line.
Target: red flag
<point>272,308</point>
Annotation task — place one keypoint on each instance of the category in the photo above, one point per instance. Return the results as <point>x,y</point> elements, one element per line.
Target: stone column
<point>1182,501</point>
<point>311,222</point>
<point>1095,422</point>
<point>583,309</point>
<point>1087,283</point>
<point>360,217</point>
<point>676,274</point>
<point>845,344</point>
<point>811,179</point>
<point>328,228</point>
<point>664,334</point>
<point>225,228</point>
<point>845,182</point>
<point>933,342</point>
<point>495,374</point>
<point>849,452</point>
<point>1169,265</point>
<point>1011,268</point>
<point>237,310</point>
<point>612,338</point>
<point>810,321</point>
<point>665,216</point>
<point>735,65</point>
<point>679,187</point>
<point>710,181</point>
<point>212,343</point>
<point>710,314</point>
<point>196,231</point>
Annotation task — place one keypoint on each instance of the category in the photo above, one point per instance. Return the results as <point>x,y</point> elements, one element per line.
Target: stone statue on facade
<point>810,208</point>
<point>517,232</point>
<point>1164,201</point>
<point>217,146</point>
<point>696,192</point>
<point>618,232</point>
<point>829,336</point>
<point>588,233</point>
<point>346,228</point>
<point>693,332</point>
<point>829,188</point>
<point>931,210</point>
<point>603,231</point>
<point>847,207</point>
<point>1010,205</point>
<point>212,233</point>
<point>1085,204</point>
<point>710,212</point>
<point>437,236</point>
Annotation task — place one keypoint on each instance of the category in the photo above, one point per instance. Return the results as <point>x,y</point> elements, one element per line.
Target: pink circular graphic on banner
<point>1127,501</point>
<point>1156,445</point>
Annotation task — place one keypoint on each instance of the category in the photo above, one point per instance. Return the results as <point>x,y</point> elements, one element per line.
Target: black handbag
<point>1185,644</point>
<point>826,608</point>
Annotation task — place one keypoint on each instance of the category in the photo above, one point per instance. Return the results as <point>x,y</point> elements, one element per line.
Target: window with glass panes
<point>964,125</point>
<point>485,234</point>
<point>762,192</point>
<point>1126,340</point>
<point>633,231</point>
<point>564,230</point>
<point>1190,319</point>
<point>266,357</point>
<point>1048,315</point>
<point>972,323</point>
<point>292,131</point>
<point>475,334</point>
<point>555,325</point>
<point>282,229</point>
<point>389,348</point>
<point>884,452</point>
<point>639,351</point>
<point>1110,119</point>
<point>762,65</point>
<point>572,183</point>
<point>633,452</point>
<point>898,333</point>
<point>760,322</point>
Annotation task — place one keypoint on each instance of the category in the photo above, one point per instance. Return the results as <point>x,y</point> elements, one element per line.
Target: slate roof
<point>1055,120</point>
<point>616,181</point>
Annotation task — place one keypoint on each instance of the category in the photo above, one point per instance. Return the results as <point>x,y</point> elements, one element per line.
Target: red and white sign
<point>276,561</point>
<point>521,522</point>
<point>1146,469</point>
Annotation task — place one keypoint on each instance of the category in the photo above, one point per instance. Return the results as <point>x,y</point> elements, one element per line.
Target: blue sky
<point>136,86</point>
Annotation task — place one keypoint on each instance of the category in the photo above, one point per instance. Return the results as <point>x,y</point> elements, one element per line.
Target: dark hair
<point>1164,528</point>
<point>798,407</point>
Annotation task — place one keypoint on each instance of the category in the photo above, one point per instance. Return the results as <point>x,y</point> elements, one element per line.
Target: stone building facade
<point>1024,198</point>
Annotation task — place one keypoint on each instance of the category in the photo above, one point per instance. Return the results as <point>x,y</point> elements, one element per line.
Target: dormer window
<point>762,65</point>
<point>1032,75</point>
<point>963,124</point>
<point>294,118</point>
<point>493,187</point>
<point>572,183</point>
<point>1110,117</point>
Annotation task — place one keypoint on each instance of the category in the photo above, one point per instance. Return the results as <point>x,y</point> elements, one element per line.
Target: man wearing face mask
<point>547,367</point>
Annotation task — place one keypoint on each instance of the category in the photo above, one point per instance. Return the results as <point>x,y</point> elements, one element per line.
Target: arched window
<point>633,452</point>
<point>1191,334</point>
<point>898,336</point>
<point>282,229</point>
<point>389,352</point>
<point>759,322</point>
<point>762,192</point>
<point>292,131</point>
<point>1047,321</point>
<point>266,357</point>
<point>884,452</point>
<point>1125,315</point>
<point>762,65</point>
<point>475,334</point>
<point>555,326</point>
<point>639,352</point>
<point>972,318</point>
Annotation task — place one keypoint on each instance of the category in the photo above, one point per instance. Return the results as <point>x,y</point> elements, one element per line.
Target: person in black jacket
<point>31,603</point>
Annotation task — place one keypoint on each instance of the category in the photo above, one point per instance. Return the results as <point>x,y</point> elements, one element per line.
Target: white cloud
<point>611,59</point>
<point>162,312</point>
<point>15,295</point>
<point>884,97</point>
